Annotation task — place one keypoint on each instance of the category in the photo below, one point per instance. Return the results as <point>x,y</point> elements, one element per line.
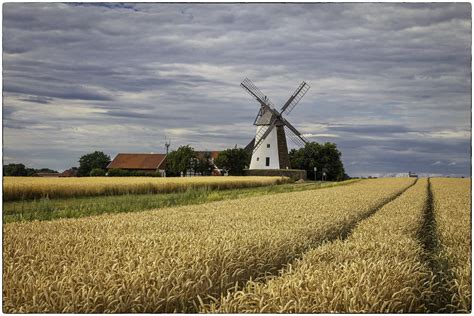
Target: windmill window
<point>267,162</point>
<point>268,145</point>
<point>258,158</point>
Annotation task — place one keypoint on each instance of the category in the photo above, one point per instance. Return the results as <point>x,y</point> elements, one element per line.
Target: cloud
<point>372,129</point>
<point>390,83</point>
<point>47,91</point>
<point>320,135</point>
<point>36,99</point>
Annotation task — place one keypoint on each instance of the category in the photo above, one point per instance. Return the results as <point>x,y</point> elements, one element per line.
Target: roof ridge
<point>140,154</point>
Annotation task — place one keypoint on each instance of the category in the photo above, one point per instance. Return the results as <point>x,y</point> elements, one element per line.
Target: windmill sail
<point>255,92</point>
<point>294,138</point>
<point>295,98</point>
<point>294,130</point>
<point>250,146</point>
<point>262,134</point>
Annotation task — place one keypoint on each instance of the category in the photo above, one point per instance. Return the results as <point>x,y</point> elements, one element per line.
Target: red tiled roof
<point>137,161</point>
<point>213,154</point>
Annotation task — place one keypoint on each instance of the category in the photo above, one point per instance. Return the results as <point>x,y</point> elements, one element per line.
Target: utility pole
<point>167,144</point>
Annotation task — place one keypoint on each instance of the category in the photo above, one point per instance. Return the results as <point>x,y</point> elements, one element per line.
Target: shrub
<point>97,172</point>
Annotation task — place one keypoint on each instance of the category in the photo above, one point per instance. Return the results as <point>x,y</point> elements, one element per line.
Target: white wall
<point>259,156</point>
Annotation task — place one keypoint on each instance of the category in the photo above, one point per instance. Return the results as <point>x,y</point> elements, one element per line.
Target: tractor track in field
<point>340,234</point>
<point>440,299</point>
<point>347,230</point>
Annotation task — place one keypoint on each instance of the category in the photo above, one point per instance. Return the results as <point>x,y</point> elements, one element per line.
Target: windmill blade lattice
<point>295,98</point>
<point>255,92</point>
<point>294,130</point>
<point>297,140</point>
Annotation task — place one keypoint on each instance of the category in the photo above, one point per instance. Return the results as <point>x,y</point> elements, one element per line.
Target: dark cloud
<point>390,82</point>
<point>107,5</point>
<point>45,91</point>
<point>371,129</point>
<point>147,116</point>
<point>36,99</point>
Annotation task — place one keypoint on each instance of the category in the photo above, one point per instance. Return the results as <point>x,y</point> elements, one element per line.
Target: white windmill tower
<point>269,147</point>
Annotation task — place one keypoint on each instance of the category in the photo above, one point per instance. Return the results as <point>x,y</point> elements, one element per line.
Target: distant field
<point>28,188</point>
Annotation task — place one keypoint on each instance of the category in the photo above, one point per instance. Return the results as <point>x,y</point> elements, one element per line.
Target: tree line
<point>20,170</point>
<point>326,158</point>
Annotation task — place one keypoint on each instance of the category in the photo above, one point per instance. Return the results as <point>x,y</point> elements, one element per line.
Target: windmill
<point>269,147</point>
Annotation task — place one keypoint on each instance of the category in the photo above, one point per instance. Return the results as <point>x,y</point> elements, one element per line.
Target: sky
<point>390,83</point>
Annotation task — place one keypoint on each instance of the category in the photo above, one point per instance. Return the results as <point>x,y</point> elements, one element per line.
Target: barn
<point>149,163</point>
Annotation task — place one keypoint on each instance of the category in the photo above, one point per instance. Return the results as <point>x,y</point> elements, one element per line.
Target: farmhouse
<point>211,156</point>
<point>139,162</point>
<point>152,163</point>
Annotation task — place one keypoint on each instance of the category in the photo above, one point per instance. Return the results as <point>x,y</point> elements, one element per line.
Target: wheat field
<point>171,261</point>
<point>24,188</point>
<point>452,206</point>
<point>355,248</point>
<point>376,270</point>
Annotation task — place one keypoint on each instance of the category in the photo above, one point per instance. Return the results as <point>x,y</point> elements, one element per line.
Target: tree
<point>46,170</point>
<point>31,172</point>
<point>95,160</point>
<point>203,164</point>
<point>326,158</point>
<point>14,170</point>
<point>233,160</point>
<point>180,160</point>
<point>19,169</point>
